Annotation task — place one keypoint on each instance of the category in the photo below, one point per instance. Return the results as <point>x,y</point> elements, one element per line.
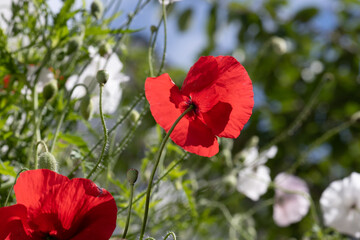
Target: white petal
<point>254,182</point>
<point>340,205</point>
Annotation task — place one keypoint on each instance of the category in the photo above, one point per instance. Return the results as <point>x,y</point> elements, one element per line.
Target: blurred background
<point>302,56</point>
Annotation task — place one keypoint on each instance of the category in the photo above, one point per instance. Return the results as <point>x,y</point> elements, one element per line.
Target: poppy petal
<point>33,184</point>
<point>11,222</point>
<point>165,100</point>
<point>235,88</point>
<point>77,204</point>
<point>194,136</point>
<point>200,77</point>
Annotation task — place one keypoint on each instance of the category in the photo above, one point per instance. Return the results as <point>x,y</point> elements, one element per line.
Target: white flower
<point>291,201</point>
<point>5,10</point>
<point>254,178</point>
<point>340,204</point>
<point>168,1</point>
<point>111,92</point>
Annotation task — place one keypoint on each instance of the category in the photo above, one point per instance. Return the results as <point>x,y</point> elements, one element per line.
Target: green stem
<point>129,211</point>
<point>170,234</point>
<point>174,165</point>
<point>150,55</point>
<point>36,148</point>
<point>320,141</point>
<point>8,196</point>
<point>158,157</point>
<point>165,39</point>
<point>118,123</point>
<point>105,133</point>
<point>302,115</point>
<point>61,120</point>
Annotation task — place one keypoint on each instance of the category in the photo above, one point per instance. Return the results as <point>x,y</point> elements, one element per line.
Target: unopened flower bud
<point>104,49</point>
<point>153,28</point>
<point>355,117</point>
<point>60,56</point>
<point>73,45</point>
<point>97,9</point>
<point>278,45</point>
<point>47,161</point>
<point>86,107</point>
<point>102,76</point>
<point>132,175</point>
<point>134,116</point>
<point>50,90</point>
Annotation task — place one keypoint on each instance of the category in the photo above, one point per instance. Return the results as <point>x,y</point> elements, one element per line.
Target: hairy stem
<point>157,160</point>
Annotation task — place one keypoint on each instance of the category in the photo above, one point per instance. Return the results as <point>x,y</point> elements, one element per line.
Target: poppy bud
<point>86,107</point>
<point>132,175</point>
<point>47,161</point>
<point>50,90</point>
<point>278,45</point>
<point>73,45</point>
<point>97,9</point>
<point>355,117</point>
<point>153,28</point>
<point>60,56</point>
<point>104,49</point>
<point>102,76</point>
<point>134,116</point>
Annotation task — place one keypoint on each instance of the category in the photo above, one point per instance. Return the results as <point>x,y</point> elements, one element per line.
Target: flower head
<point>340,204</point>
<point>290,207</point>
<point>220,91</point>
<point>50,206</point>
<point>254,179</point>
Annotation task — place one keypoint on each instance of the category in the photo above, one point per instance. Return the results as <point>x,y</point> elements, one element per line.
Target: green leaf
<point>6,169</point>
<point>306,14</point>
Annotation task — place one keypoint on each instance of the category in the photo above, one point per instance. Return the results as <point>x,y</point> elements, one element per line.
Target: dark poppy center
<point>49,237</point>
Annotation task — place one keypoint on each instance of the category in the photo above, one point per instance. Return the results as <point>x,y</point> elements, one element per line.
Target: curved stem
<point>165,39</point>
<point>105,133</point>
<point>158,157</point>
<point>118,123</point>
<point>36,148</point>
<point>170,234</point>
<point>129,211</point>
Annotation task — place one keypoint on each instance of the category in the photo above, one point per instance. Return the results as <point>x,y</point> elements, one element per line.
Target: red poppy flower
<point>221,92</point>
<point>50,206</point>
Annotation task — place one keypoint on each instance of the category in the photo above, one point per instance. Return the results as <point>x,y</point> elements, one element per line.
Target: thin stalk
<point>150,55</point>
<point>61,120</point>
<point>105,133</point>
<point>36,150</point>
<point>8,196</point>
<point>165,39</point>
<point>119,122</point>
<point>301,117</point>
<point>129,211</point>
<point>141,195</point>
<point>158,157</point>
<point>170,234</point>
<point>318,142</point>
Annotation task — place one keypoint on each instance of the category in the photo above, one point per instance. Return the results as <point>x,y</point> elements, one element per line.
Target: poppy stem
<point>129,211</point>
<point>158,156</point>
<point>105,134</point>
<point>61,120</point>
<point>36,151</point>
<point>165,39</point>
